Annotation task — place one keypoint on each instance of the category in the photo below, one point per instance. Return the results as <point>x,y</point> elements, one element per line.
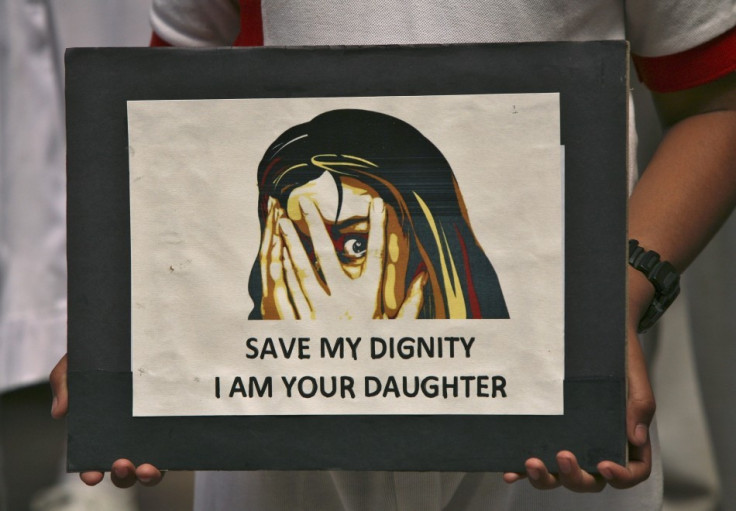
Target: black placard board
<point>591,82</point>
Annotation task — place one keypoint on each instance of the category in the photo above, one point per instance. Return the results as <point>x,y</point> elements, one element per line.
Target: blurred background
<point>691,352</point>
<point>33,37</point>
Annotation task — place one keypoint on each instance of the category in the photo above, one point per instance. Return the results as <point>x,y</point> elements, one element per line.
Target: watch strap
<point>662,275</point>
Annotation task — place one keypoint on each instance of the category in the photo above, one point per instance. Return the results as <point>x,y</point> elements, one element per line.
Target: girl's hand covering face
<point>328,278</point>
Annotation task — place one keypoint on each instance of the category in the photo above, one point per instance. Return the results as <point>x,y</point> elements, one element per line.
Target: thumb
<point>57,378</point>
<point>640,404</point>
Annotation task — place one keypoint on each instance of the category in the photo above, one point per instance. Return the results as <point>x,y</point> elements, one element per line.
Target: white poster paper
<point>196,241</point>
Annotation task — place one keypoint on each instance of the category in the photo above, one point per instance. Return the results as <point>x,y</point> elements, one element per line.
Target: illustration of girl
<point>361,216</point>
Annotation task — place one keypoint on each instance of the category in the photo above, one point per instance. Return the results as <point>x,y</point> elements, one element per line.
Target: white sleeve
<point>657,28</point>
<point>196,23</point>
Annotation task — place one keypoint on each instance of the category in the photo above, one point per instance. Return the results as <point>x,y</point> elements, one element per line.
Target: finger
<point>640,406</point>
<point>59,389</point>
<point>637,469</point>
<point>574,478</point>
<point>640,409</point>
<point>300,262</point>
<point>512,477</point>
<point>414,297</point>
<point>373,266</point>
<point>324,250</point>
<point>279,285</point>
<point>148,475</point>
<point>266,246</point>
<point>539,476</point>
<point>123,473</point>
<point>300,303</point>
<point>91,478</point>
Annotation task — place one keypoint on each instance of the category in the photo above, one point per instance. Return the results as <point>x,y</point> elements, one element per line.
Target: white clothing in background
<point>33,36</point>
<point>32,196</point>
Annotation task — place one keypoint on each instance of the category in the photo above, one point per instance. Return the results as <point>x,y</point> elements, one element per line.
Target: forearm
<point>686,193</point>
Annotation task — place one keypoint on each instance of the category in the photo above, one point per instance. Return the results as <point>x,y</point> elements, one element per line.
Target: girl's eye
<point>354,247</point>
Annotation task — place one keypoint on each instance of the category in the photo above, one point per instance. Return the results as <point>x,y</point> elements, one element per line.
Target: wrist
<point>640,294</point>
<point>664,285</point>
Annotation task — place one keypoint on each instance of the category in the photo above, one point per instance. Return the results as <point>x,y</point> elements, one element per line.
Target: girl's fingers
<point>414,298</point>
<point>276,269</point>
<point>265,253</point>
<point>300,264</point>
<point>274,260</point>
<point>324,250</point>
<point>299,299</point>
<point>373,266</point>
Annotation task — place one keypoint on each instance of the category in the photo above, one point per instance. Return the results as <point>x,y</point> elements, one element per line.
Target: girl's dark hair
<point>413,177</point>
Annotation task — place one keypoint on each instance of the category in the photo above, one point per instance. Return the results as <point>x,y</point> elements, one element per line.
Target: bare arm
<point>685,194</point>
<point>689,188</point>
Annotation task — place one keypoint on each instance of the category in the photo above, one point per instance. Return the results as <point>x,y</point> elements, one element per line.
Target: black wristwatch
<point>662,275</point>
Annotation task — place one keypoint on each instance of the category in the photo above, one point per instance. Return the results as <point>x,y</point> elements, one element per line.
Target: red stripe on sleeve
<point>157,41</point>
<point>690,68</point>
<point>251,24</point>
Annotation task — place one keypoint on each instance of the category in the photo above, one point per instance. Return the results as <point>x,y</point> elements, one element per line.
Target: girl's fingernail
<point>607,474</point>
<point>54,404</point>
<point>120,472</point>
<point>534,473</point>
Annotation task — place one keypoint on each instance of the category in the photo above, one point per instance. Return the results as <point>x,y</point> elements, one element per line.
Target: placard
<point>376,267</point>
